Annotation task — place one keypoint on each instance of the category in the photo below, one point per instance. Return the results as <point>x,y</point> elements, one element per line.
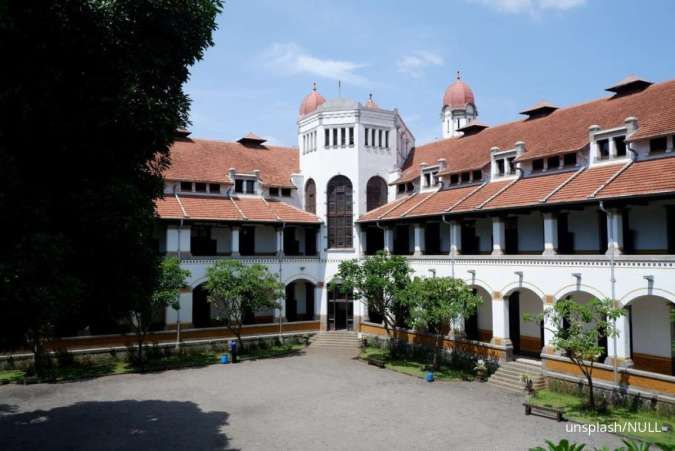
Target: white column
<point>280,242</point>
<point>550,234</point>
<point>614,232</point>
<point>549,326</point>
<point>419,239</point>
<point>235,241</point>
<point>455,238</point>
<point>389,240</point>
<point>457,328</point>
<point>319,241</point>
<point>612,148</point>
<point>498,233</point>
<point>317,302</point>
<point>178,240</point>
<point>362,241</point>
<point>500,320</point>
<point>623,350</point>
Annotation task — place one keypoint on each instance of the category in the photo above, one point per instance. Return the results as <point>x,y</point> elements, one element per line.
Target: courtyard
<point>311,401</point>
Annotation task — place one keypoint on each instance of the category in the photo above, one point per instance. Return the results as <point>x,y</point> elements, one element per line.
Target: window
<point>250,186</point>
<point>379,138</point>
<point>366,136</point>
<point>340,212</point>
<point>310,196</point>
<point>200,187</point>
<point>477,176</point>
<point>538,165</point>
<point>409,187</point>
<point>351,136</point>
<point>570,159</point>
<point>343,136</point>
<point>238,186</point>
<point>335,136</point>
<point>285,192</point>
<point>401,188</point>
<point>214,187</point>
<point>274,191</point>
<point>372,137</point>
<point>512,164</point>
<point>376,193</point>
<point>500,167</point>
<point>434,177</point>
<point>658,145</point>
<point>427,179</point>
<point>465,176</point>
<point>620,144</point>
<point>553,162</point>
<point>326,140</point>
<point>186,187</point>
<point>454,179</point>
<point>603,149</point>
<point>386,139</point>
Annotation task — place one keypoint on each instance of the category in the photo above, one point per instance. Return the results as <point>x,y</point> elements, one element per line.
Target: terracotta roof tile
<point>254,209</point>
<point>530,190</point>
<point>643,177</point>
<point>378,212</point>
<point>209,161</point>
<point>442,201</point>
<point>585,184</point>
<point>479,197</point>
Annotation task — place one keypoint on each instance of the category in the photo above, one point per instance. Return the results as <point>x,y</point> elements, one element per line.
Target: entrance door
<point>514,321</point>
<point>341,315</point>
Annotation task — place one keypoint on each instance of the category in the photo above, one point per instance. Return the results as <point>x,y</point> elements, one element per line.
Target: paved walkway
<point>301,402</point>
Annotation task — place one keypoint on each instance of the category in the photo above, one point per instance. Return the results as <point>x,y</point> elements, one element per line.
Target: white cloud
<point>532,7</point>
<point>291,59</point>
<point>415,63</point>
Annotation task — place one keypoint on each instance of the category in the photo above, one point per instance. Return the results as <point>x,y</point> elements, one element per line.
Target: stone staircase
<point>508,376</point>
<point>335,342</point>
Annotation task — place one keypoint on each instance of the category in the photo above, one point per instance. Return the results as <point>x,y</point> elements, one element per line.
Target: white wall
<point>530,304</point>
<point>651,326</point>
<point>485,311</point>
<point>484,232</point>
<point>223,236</point>
<point>531,233</point>
<point>649,224</point>
<point>265,239</point>
<point>584,225</point>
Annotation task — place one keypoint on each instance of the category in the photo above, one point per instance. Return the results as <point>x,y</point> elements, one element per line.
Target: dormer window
<point>603,149</point>
<point>243,186</point>
<point>200,187</point>
<point>186,187</point>
<point>620,145</point>
<point>477,176</point>
<point>658,145</point>
<point>570,159</point>
<point>409,187</point>
<point>512,164</point>
<point>553,162</point>
<point>214,188</point>
<point>500,167</point>
<point>401,188</point>
<point>538,165</point>
<point>465,177</point>
<point>285,192</point>
<point>274,191</point>
<point>454,179</point>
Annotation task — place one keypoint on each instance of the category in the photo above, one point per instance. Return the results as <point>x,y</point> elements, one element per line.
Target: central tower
<point>459,108</point>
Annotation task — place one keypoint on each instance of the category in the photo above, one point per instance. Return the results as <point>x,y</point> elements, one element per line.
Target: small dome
<point>311,102</point>
<point>371,103</point>
<point>458,94</point>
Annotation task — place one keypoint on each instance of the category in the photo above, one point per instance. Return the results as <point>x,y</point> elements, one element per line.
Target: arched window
<point>339,213</point>
<point>376,193</point>
<point>310,196</point>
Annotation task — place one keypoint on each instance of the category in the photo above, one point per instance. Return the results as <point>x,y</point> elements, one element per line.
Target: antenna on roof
<point>339,88</point>
<point>458,76</point>
<point>313,86</point>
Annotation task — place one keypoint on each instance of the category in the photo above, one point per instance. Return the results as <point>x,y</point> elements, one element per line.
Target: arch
<point>479,325</point>
<point>301,276</point>
<point>479,283</point>
<point>310,196</point>
<point>376,193</point>
<point>201,310</point>
<point>516,286</point>
<point>633,295</point>
<point>299,302</point>
<point>527,337</point>
<point>339,214</point>
<point>651,333</point>
<point>572,288</point>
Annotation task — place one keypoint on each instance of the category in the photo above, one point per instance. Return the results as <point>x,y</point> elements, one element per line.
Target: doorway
<point>514,321</point>
<point>340,309</point>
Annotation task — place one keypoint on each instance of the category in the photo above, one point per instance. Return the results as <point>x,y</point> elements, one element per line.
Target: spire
<point>313,86</point>
<point>459,77</point>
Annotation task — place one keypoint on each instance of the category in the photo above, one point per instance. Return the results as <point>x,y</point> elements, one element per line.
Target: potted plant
<point>528,384</point>
<point>481,370</point>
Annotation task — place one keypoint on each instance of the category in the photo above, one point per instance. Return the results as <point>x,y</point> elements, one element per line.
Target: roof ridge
<point>563,184</point>
<point>180,204</point>
<point>609,180</point>
<point>298,209</point>
<point>222,141</point>
<point>241,213</point>
<point>489,199</point>
<point>268,206</point>
<point>419,203</point>
<point>467,196</point>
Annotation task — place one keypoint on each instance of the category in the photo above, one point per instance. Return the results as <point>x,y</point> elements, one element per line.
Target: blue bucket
<point>429,377</point>
<point>225,358</point>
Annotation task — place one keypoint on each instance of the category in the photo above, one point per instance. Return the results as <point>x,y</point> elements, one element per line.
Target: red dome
<point>458,95</point>
<point>311,102</point>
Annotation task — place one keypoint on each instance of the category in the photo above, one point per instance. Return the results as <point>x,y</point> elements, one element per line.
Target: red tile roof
<point>583,185</point>
<point>642,177</point>
<point>530,190</point>
<point>564,130</point>
<point>253,209</point>
<point>209,161</point>
<point>479,197</point>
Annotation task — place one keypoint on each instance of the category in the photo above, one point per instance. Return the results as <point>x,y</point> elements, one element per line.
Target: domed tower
<point>459,108</point>
<point>311,102</point>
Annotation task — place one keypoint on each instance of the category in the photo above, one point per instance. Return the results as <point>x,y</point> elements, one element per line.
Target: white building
<point>527,213</point>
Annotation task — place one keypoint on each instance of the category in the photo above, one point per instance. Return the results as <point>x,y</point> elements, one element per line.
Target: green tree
<point>143,314</point>
<point>89,107</point>
<point>585,325</point>
<point>437,302</point>
<point>235,289</point>
<point>377,280</point>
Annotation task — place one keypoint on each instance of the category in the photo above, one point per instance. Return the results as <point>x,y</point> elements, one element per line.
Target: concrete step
<point>518,373</point>
<point>506,387</point>
<point>525,367</point>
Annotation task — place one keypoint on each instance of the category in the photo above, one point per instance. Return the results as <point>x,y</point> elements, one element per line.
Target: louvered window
<point>339,212</point>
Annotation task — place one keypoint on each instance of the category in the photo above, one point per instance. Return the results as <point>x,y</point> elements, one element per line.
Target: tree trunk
<point>435,364</point>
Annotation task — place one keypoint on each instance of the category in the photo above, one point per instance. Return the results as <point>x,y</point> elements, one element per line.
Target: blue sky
<point>511,52</point>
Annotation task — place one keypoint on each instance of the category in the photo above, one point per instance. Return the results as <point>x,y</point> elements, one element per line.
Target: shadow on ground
<point>116,425</point>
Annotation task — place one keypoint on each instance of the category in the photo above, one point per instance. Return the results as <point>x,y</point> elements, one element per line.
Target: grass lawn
<point>412,367</point>
<point>574,410</point>
<point>110,366</point>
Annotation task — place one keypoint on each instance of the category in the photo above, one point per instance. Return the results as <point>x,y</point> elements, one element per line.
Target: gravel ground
<point>301,402</point>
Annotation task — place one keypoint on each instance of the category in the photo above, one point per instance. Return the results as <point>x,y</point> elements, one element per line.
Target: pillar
<point>362,241</point>
<point>614,232</point>
<point>550,234</point>
<point>389,240</point>
<point>280,242</point>
<point>498,234</point>
<point>549,326</point>
<point>500,320</point>
<point>319,241</point>
<point>455,238</point>
<point>419,239</point>
<point>623,350</point>
<point>178,240</point>
<point>457,328</point>
<point>317,302</point>
<point>235,241</point>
